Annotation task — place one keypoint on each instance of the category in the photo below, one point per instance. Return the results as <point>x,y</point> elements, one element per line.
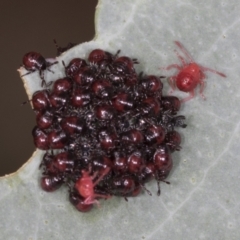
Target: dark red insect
<point>46,161</point>
<point>57,139</point>
<point>151,85</point>
<point>130,81</point>
<point>147,173</point>
<point>58,100</point>
<point>80,97</point>
<point>100,163</point>
<point>171,104</point>
<point>163,164</point>
<point>40,100</point>
<point>34,61</point>
<point>190,74</point>
<point>150,106</point>
<point>62,85</point>
<point>40,138</point>
<point>154,134</point>
<point>72,124</point>
<point>173,140</point>
<point>45,119</point>
<point>74,66</point>
<point>122,185</point>
<point>84,76</point>
<point>102,88</point>
<point>101,58</point>
<point>132,136</point>
<point>120,162</point>
<point>135,162</point>
<point>51,183</point>
<point>124,65</point>
<point>122,102</point>
<point>107,138</point>
<point>136,191</point>
<point>104,112</point>
<point>162,158</point>
<point>63,162</point>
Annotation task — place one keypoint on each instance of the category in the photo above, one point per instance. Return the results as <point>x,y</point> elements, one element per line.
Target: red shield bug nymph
<point>34,61</point>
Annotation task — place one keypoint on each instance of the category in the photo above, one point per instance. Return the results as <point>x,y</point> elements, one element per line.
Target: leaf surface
<point>202,201</point>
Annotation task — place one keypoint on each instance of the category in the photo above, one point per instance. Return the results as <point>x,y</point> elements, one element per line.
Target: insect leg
<point>191,95</point>
<point>213,71</point>
<point>185,52</point>
<point>172,83</point>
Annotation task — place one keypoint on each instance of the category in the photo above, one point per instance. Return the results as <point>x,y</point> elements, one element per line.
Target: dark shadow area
<point>31,26</point>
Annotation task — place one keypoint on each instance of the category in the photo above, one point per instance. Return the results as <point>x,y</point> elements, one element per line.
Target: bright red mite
<point>85,186</point>
<point>190,74</point>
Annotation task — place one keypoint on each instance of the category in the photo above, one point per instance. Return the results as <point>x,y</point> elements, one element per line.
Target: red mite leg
<point>212,70</point>
<point>202,84</point>
<point>172,83</point>
<point>89,200</point>
<point>95,183</point>
<point>105,172</point>
<point>184,51</point>
<point>173,66</point>
<point>190,96</point>
<point>180,58</point>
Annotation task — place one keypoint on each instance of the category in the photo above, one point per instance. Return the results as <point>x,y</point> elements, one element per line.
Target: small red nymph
<point>34,61</point>
<point>85,186</point>
<point>190,74</point>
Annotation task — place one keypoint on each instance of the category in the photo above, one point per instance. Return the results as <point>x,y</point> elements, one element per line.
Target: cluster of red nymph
<point>106,129</point>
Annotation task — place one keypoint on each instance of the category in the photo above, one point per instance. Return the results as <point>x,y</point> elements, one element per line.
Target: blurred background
<point>31,26</point>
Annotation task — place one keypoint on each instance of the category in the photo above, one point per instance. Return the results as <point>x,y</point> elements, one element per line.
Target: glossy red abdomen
<point>189,77</point>
<point>85,186</point>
